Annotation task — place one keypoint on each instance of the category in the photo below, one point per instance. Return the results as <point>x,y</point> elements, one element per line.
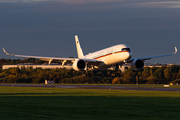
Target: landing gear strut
<point>87,74</point>
<point>117,71</point>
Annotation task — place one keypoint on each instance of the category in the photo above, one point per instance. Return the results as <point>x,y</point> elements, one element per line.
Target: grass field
<point>27,103</point>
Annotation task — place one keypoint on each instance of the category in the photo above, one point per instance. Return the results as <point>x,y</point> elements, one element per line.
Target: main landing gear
<point>117,71</point>
<point>87,73</point>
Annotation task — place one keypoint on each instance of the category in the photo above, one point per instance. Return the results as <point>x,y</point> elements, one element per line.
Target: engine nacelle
<point>137,64</point>
<point>79,65</point>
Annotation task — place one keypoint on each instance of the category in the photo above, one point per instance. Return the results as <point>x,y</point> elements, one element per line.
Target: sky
<point>48,27</point>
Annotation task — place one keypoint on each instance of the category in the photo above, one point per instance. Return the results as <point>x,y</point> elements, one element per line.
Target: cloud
<point>160,4</point>
<point>67,2</point>
<point>86,1</point>
<point>122,3</point>
<point>21,1</point>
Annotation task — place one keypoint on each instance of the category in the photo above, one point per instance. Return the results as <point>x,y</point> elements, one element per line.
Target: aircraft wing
<point>55,59</point>
<point>148,58</point>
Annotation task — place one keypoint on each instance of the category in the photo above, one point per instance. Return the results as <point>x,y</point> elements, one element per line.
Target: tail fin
<point>79,49</point>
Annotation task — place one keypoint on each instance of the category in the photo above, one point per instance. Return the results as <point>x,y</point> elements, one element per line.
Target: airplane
<point>116,55</point>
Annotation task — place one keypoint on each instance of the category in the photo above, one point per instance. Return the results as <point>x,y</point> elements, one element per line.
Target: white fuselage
<point>112,55</point>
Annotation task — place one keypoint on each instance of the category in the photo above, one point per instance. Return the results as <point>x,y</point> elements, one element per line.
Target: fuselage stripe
<point>110,54</point>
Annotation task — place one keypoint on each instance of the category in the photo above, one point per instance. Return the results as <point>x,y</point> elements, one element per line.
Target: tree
<point>159,73</point>
<point>151,80</point>
<point>116,80</point>
<point>178,75</point>
<point>129,74</point>
<point>167,74</point>
<point>145,73</point>
<point>173,70</point>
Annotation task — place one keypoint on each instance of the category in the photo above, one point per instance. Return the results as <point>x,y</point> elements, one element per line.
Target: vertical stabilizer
<point>79,50</point>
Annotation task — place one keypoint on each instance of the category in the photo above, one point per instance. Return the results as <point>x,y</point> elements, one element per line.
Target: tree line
<point>154,75</point>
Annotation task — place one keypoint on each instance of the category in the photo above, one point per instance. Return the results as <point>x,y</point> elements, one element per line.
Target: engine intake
<point>137,64</point>
<point>79,65</point>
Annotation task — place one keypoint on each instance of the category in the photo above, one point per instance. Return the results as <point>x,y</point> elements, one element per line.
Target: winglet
<point>175,50</point>
<point>7,53</point>
<point>79,49</point>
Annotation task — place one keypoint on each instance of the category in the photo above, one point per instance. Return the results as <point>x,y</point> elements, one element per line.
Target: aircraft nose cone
<point>128,55</point>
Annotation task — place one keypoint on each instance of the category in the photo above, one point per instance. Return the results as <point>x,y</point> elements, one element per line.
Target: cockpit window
<point>125,49</point>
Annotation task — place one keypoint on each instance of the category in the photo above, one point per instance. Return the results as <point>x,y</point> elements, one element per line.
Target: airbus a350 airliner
<point>119,54</point>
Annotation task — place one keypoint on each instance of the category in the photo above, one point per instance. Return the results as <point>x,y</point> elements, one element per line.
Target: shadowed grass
<point>70,104</point>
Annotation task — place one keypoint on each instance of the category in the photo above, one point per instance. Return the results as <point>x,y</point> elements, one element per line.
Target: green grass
<point>27,103</point>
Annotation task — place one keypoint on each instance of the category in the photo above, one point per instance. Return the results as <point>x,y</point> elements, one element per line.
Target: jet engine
<point>137,64</point>
<point>79,65</point>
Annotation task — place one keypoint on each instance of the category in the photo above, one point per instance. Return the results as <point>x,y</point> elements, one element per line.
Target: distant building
<point>53,66</point>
